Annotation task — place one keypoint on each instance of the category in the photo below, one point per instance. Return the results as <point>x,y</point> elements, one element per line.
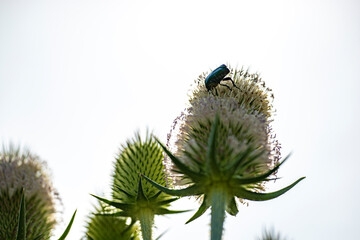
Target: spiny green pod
<point>225,149</point>
<point>24,170</point>
<point>100,227</point>
<point>133,197</point>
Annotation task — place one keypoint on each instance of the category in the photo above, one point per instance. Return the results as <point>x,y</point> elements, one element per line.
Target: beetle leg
<point>225,86</point>
<point>229,79</point>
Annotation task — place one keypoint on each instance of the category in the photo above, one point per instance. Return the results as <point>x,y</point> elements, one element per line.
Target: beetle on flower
<point>225,147</point>
<point>218,75</point>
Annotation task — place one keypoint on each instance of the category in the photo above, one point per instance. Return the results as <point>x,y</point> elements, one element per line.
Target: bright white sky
<point>77,78</point>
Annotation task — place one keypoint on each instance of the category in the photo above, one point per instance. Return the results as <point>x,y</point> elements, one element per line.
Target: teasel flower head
<point>100,227</point>
<point>224,147</point>
<point>133,197</point>
<point>21,170</point>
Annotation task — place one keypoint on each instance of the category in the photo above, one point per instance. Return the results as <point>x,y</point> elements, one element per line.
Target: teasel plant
<point>28,199</point>
<point>271,235</point>
<point>100,227</point>
<point>224,149</point>
<point>131,196</point>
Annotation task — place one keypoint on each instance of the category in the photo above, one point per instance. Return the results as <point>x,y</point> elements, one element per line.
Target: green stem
<point>218,201</point>
<point>146,222</point>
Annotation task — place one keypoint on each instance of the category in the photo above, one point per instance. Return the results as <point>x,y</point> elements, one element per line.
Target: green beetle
<point>218,75</point>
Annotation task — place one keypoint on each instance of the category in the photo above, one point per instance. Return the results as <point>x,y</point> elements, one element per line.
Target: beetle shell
<point>215,77</point>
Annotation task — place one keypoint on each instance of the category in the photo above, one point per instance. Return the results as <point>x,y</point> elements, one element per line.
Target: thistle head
<point>224,147</point>
<point>133,197</point>
<point>135,157</point>
<point>24,170</point>
<point>244,128</point>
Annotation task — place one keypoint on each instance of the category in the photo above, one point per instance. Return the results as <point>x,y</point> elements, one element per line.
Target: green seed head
<point>100,227</point>
<point>24,170</point>
<point>135,157</point>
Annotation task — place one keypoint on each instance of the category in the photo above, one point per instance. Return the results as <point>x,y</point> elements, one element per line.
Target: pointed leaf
<point>168,201</point>
<point>163,211</point>
<point>21,231</point>
<point>122,206</point>
<point>123,191</point>
<point>231,207</point>
<point>67,230</point>
<point>259,178</point>
<point>245,194</point>
<point>202,209</point>
<point>190,191</point>
<point>156,195</point>
<point>184,169</point>
<point>140,194</point>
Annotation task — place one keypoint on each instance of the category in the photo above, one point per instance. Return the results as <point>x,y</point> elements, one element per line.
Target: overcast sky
<point>78,78</point>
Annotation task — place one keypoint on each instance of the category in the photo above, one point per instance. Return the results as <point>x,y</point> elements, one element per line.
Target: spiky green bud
<point>24,170</point>
<point>100,227</point>
<point>133,197</point>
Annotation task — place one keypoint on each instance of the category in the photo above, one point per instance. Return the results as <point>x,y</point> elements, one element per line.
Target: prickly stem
<point>218,201</point>
<point>146,223</point>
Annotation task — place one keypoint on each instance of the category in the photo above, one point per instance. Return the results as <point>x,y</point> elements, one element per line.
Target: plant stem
<point>218,201</point>
<point>146,222</point>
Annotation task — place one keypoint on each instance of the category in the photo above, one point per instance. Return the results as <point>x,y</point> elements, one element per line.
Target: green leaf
<point>245,194</point>
<point>140,194</point>
<point>184,169</point>
<point>67,230</point>
<point>231,207</point>
<point>190,191</point>
<point>259,178</point>
<point>123,191</point>
<point>155,196</point>
<point>168,201</point>
<point>163,211</point>
<point>122,206</point>
<point>21,231</point>
<point>202,209</point>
